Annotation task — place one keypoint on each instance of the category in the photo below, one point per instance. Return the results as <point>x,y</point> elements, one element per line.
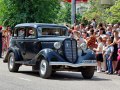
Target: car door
<point>19,36</point>
<point>31,43</point>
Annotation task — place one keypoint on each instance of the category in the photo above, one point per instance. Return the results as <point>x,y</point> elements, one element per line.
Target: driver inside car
<point>21,33</point>
<point>31,34</point>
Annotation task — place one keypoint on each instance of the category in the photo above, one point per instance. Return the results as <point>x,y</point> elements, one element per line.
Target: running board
<point>31,62</point>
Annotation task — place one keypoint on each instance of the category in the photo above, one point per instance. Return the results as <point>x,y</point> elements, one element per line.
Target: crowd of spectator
<point>104,40</point>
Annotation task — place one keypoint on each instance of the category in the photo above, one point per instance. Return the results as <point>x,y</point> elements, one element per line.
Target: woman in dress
<point>8,36</point>
<point>115,45</point>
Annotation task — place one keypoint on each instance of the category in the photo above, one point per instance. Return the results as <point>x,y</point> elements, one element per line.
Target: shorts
<point>114,58</point>
<point>99,57</point>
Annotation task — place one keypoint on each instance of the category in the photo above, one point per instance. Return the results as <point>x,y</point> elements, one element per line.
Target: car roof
<point>38,24</point>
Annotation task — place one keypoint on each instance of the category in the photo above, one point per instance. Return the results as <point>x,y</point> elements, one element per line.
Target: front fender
<point>88,55</point>
<point>49,55</point>
<point>16,52</point>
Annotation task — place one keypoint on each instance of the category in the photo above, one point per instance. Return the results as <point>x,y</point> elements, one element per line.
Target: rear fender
<point>16,52</point>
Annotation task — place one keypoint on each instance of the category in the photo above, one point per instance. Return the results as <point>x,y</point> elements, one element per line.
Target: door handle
<point>21,42</point>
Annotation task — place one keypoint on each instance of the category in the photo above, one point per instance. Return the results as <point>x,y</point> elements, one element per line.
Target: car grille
<point>70,50</point>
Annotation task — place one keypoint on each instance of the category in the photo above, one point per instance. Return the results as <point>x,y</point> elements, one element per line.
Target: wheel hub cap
<point>11,62</point>
<point>43,67</point>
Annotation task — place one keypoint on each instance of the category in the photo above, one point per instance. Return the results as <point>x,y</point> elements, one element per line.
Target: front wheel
<point>88,72</point>
<point>45,70</point>
<point>12,66</point>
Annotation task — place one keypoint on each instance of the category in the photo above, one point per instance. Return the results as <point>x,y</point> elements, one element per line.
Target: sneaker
<point>110,73</point>
<point>115,73</point>
<point>98,71</point>
<point>106,72</point>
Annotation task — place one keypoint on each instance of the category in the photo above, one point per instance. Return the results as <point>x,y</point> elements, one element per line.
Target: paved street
<point>27,80</point>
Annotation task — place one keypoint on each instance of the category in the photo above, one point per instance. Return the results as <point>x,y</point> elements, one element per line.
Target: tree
<point>97,11</point>
<point>64,15</point>
<point>94,10</point>
<point>26,11</point>
<point>113,13</point>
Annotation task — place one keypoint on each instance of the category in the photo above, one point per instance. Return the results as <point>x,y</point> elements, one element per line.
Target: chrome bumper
<point>84,63</point>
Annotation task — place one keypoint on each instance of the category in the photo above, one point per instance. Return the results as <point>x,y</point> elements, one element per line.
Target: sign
<point>108,2</point>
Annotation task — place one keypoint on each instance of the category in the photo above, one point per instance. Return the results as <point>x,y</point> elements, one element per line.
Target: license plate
<point>88,61</point>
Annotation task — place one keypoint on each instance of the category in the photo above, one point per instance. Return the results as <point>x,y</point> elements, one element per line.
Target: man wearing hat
<point>0,41</point>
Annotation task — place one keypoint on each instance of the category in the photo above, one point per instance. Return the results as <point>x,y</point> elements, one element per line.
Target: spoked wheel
<point>12,66</point>
<point>45,70</point>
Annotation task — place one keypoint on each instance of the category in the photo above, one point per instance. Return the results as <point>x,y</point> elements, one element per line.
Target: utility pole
<point>73,12</point>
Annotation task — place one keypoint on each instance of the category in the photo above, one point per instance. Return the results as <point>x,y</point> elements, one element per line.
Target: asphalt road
<point>27,80</point>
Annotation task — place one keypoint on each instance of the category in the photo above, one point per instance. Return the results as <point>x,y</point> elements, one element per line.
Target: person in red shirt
<point>91,41</point>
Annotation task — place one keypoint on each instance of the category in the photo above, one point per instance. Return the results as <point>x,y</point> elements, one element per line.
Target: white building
<point>82,7</point>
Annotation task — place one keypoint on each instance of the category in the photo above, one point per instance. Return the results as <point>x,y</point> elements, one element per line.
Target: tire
<point>12,66</point>
<point>45,70</point>
<point>53,71</point>
<point>88,72</point>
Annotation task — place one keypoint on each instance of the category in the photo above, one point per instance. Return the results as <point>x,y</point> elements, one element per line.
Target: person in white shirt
<point>99,55</point>
<point>77,35</point>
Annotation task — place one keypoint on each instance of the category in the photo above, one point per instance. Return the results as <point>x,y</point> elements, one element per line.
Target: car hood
<point>49,39</point>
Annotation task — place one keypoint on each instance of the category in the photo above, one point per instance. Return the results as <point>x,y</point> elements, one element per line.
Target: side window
<point>20,33</point>
<point>30,32</point>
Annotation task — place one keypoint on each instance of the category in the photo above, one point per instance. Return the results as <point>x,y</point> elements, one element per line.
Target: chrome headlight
<point>57,45</point>
<point>83,46</point>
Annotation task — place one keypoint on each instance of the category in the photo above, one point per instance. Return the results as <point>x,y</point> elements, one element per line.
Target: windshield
<point>52,31</point>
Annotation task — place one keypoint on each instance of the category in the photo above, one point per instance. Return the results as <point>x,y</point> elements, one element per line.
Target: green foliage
<point>104,13</point>
<point>64,14</point>
<point>24,11</point>
<point>95,11</point>
<point>113,13</point>
<point>78,18</point>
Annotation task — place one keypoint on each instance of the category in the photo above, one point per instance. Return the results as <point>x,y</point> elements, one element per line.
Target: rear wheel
<point>88,72</point>
<point>12,66</point>
<point>45,70</point>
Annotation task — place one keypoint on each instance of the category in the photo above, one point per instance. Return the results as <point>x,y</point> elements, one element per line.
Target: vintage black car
<point>48,48</point>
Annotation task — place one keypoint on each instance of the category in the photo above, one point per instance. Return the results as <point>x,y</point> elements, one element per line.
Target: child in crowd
<point>99,51</point>
<point>108,54</point>
<point>104,64</point>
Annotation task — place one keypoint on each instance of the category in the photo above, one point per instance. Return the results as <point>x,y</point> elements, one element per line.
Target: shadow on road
<point>66,76</point>
<point>29,73</point>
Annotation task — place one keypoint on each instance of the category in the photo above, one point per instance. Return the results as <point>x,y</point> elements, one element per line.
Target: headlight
<point>83,46</point>
<point>57,45</point>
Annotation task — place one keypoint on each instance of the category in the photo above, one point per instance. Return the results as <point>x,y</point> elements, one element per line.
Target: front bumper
<point>80,64</point>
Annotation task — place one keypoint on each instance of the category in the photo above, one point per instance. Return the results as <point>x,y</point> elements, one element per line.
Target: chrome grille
<point>70,49</point>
